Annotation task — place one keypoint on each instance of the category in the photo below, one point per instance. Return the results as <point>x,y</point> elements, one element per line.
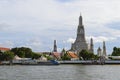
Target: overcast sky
<point>36,23</point>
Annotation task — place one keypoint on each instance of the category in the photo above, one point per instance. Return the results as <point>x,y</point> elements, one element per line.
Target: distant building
<point>101,52</point>
<point>42,58</point>
<point>3,49</point>
<point>63,52</point>
<point>56,55</point>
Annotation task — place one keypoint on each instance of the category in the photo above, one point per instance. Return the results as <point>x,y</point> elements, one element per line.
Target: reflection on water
<point>61,72</point>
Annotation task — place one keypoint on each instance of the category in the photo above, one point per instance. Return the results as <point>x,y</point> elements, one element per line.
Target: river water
<point>61,72</point>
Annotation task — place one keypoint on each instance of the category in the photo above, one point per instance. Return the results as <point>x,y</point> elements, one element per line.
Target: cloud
<point>99,39</point>
<point>35,44</point>
<point>8,44</point>
<point>55,19</point>
<point>70,40</point>
<point>4,26</point>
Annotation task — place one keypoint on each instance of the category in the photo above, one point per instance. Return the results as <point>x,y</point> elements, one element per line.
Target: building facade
<point>99,51</point>
<point>102,52</point>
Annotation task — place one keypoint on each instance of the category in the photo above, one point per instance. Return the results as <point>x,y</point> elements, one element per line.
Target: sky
<point>37,23</point>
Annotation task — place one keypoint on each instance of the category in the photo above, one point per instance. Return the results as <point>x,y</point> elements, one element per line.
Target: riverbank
<point>30,62</point>
<point>92,62</point>
<point>53,62</point>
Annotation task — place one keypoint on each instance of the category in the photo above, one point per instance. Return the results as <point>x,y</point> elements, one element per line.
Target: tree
<point>83,54</point>
<point>116,51</point>
<point>87,55</point>
<point>63,52</point>
<point>36,56</point>
<point>1,56</point>
<point>8,55</point>
<point>49,58</point>
<point>96,57</point>
<point>65,57</point>
<point>23,52</point>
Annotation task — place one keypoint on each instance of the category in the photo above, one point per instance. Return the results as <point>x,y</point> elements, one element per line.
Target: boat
<point>50,62</point>
<point>35,62</point>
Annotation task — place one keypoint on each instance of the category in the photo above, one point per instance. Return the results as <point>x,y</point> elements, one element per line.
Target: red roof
<point>72,55</point>
<point>4,49</point>
<point>56,54</point>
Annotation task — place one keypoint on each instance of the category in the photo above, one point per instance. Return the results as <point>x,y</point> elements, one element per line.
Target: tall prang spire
<point>80,42</point>
<point>80,20</point>
<point>91,46</point>
<point>55,46</point>
<point>104,49</point>
<point>80,30</point>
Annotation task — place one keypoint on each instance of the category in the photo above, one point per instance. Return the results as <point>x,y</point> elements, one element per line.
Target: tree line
<point>22,52</point>
<point>116,51</point>
<point>83,55</point>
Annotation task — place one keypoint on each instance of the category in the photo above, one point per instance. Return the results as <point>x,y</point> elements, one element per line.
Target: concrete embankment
<point>94,62</point>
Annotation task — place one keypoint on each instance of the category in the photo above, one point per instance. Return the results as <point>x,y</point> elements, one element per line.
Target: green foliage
<point>95,57</point>
<point>87,55</point>
<point>63,51</point>
<point>44,55</point>
<point>116,51</point>
<point>25,52</point>
<point>1,56</point>
<point>36,56</point>
<point>22,52</point>
<point>49,58</point>
<point>111,58</point>
<point>83,54</point>
<point>8,55</point>
<point>65,56</point>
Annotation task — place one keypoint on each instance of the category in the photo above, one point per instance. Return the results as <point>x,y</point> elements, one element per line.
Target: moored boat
<point>35,62</point>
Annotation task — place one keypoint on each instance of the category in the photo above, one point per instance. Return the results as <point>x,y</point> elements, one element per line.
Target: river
<point>60,72</point>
